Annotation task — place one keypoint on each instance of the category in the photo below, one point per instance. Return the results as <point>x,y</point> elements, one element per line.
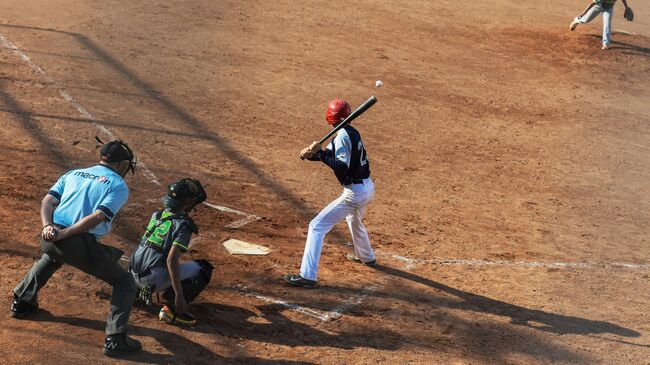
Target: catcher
<point>155,263</point>
<point>606,7</point>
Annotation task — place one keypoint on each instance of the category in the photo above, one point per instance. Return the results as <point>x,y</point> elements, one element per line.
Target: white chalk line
<point>622,31</point>
<point>348,304</point>
<point>298,308</point>
<point>83,111</point>
<point>324,316</point>
<point>411,262</point>
<point>248,217</point>
<point>69,98</point>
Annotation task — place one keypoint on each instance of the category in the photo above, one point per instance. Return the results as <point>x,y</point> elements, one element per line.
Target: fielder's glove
<point>628,14</point>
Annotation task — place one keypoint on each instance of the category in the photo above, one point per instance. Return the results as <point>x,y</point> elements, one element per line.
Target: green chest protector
<point>156,244</point>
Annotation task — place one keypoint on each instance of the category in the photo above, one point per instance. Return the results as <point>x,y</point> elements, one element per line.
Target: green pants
<point>85,253</point>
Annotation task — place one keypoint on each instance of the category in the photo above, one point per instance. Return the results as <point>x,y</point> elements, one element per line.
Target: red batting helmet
<point>337,110</point>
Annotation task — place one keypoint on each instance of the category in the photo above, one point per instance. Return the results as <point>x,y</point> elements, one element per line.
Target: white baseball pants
<point>351,205</point>
<point>608,14</point>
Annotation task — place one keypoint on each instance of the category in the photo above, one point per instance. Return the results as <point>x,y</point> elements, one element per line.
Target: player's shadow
<point>271,326</point>
<point>182,349</point>
<point>532,318</point>
<point>628,48</point>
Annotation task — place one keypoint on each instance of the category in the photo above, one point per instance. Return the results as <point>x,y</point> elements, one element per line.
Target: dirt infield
<point>510,158</point>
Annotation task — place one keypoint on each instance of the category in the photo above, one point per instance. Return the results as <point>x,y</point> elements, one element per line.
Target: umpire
<point>76,212</point>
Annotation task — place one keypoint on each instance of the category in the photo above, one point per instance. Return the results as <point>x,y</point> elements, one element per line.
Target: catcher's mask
<point>117,151</point>
<point>184,194</point>
<point>337,111</point>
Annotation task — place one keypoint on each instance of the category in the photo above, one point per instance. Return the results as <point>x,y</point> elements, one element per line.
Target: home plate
<point>237,247</point>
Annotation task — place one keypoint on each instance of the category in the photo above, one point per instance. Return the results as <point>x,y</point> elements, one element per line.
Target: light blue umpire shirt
<point>82,192</point>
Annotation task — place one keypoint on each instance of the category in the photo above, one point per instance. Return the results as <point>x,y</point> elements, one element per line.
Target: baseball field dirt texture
<point>510,157</point>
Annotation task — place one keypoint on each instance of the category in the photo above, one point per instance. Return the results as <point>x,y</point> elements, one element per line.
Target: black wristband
<point>48,225</point>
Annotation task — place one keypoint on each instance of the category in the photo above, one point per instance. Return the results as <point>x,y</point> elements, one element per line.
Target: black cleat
<point>20,308</point>
<point>297,280</point>
<point>352,257</point>
<point>120,344</point>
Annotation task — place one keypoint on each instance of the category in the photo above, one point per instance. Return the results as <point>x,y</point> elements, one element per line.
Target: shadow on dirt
<point>535,319</point>
<point>273,327</point>
<point>181,348</point>
<point>481,336</point>
<point>468,325</point>
<point>108,123</point>
<point>55,155</point>
<point>36,132</point>
<point>194,125</point>
<point>19,249</point>
<point>630,49</point>
<point>627,48</point>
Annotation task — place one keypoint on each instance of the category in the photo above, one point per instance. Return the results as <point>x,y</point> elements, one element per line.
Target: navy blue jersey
<point>347,156</point>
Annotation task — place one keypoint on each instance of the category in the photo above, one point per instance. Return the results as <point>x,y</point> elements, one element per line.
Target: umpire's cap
<point>117,151</point>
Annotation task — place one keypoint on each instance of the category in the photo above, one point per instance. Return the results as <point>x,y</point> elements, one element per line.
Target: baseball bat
<point>354,115</point>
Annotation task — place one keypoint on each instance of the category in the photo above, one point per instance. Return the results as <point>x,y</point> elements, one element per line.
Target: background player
<point>606,7</point>
<point>155,263</point>
<point>347,157</point>
<point>76,212</point>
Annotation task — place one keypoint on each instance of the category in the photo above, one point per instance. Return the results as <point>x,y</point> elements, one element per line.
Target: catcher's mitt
<point>628,14</point>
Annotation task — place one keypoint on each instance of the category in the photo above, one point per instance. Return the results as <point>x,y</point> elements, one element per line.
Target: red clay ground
<point>499,135</point>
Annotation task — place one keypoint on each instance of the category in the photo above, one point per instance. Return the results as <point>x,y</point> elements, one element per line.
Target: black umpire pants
<point>84,252</point>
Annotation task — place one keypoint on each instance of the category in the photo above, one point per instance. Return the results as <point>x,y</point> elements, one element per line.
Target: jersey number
<point>362,159</point>
<point>158,235</point>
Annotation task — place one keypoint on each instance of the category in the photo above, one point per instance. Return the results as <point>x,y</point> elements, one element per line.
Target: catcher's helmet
<point>184,194</point>
<point>117,151</point>
<point>337,110</point>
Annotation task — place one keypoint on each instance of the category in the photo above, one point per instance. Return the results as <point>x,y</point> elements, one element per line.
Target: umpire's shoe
<point>297,280</point>
<point>20,308</point>
<point>120,344</point>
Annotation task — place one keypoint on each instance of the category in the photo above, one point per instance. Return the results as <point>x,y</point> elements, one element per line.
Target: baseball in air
<point>378,83</point>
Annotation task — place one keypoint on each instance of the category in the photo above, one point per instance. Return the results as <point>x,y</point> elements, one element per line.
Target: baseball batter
<point>155,263</point>
<point>347,157</point>
<point>605,7</point>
